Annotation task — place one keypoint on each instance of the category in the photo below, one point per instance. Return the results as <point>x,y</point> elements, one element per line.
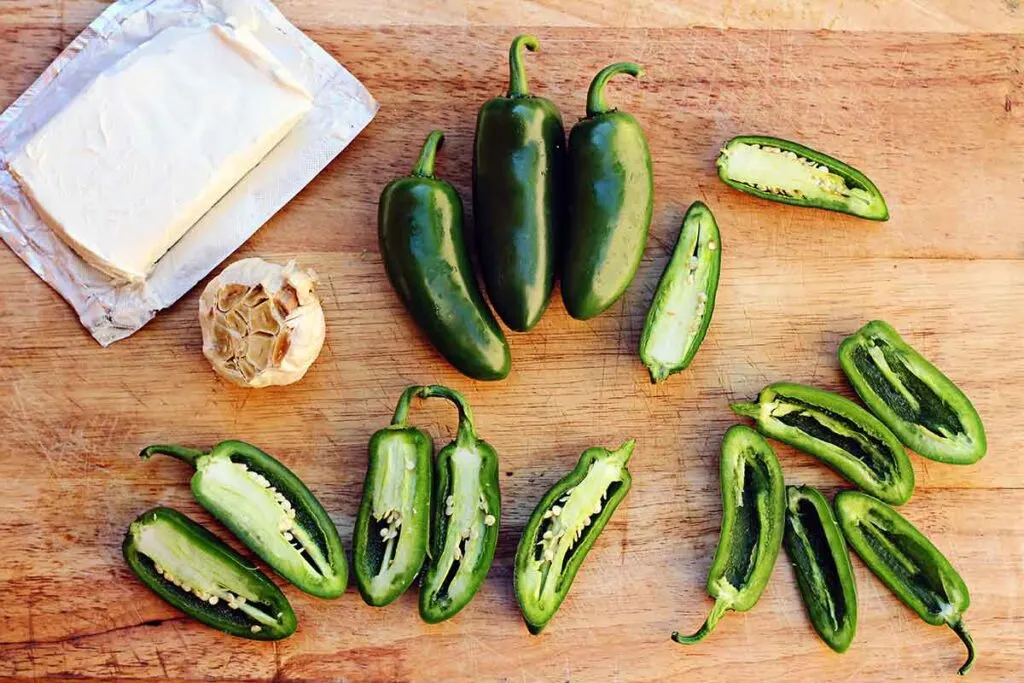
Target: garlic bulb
<point>262,323</point>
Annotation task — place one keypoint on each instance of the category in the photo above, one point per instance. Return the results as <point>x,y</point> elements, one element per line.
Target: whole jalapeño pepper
<point>753,515</point>
<point>922,406</point>
<point>270,510</point>
<point>611,200</point>
<point>518,202</point>
<point>466,516</point>
<point>199,574</point>
<point>838,432</point>
<point>907,562</point>
<point>393,524</point>
<point>564,527</point>
<point>419,223</point>
<point>824,574</point>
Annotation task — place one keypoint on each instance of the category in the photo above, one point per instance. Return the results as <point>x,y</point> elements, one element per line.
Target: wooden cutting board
<point>933,118</point>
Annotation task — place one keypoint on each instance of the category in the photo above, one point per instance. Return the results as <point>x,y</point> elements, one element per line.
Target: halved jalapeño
<point>819,557</point>
<point>195,572</point>
<point>466,517</point>
<point>838,432</point>
<point>681,310</point>
<point>908,563</point>
<point>564,527</point>
<point>753,515</point>
<point>787,172</point>
<point>270,510</point>
<point>911,396</point>
<point>393,525</point>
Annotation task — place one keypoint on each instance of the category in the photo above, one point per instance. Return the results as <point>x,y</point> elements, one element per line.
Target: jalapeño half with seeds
<point>564,527</point>
<point>196,572</point>
<point>393,524</point>
<point>788,172</point>
<point>911,396</point>
<point>681,310</point>
<point>466,516</point>
<point>838,432</point>
<point>270,510</point>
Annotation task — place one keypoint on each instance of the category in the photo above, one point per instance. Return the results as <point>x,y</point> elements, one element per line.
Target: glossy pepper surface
<point>270,510</point>
<point>680,312</point>
<point>466,516</point>
<point>753,515</point>
<point>911,396</point>
<point>519,195</point>
<point>788,172</point>
<point>419,223</point>
<point>611,200</point>
<point>200,575</point>
<point>907,562</point>
<point>817,551</point>
<point>837,431</point>
<point>393,524</point>
<point>564,527</point>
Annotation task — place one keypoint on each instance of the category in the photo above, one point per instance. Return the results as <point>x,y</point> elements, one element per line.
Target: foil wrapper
<point>111,309</point>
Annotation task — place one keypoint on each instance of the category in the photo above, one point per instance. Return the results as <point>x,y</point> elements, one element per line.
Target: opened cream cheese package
<point>161,139</point>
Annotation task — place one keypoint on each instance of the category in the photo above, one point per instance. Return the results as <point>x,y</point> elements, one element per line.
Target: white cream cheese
<point>147,148</point>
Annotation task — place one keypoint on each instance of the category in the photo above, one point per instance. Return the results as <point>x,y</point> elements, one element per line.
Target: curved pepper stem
<point>516,73</point>
<point>424,167</point>
<point>961,630</point>
<point>467,428</point>
<point>189,455</point>
<point>596,103</point>
<point>706,628</point>
<point>401,415</point>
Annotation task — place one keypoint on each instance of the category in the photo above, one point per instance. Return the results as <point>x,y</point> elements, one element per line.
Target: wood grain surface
<point>930,110</point>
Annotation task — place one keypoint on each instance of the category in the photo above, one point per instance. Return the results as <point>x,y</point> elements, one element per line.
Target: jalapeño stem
<point>596,103</point>
<point>624,452</point>
<point>706,628</point>
<point>746,409</point>
<point>467,430</point>
<point>401,415</point>
<point>516,73</point>
<point>961,630</point>
<point>424,167</point>
<point>189,455</point>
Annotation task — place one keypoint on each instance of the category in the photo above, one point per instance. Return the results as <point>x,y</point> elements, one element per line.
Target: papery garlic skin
<point>262,323</point>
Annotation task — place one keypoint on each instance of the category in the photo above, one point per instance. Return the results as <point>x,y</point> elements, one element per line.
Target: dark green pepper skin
<point>907,562</point>
<point>611,201</point>
<point>518,196</point>
<point>566,523</point>
<point>817,551</point>
<point>466,517</point>
<point>393,524</point>
<point>265,614</point>
<point>419,223</point>
<point>838,432</point>
<point>270,510</point>
<point>828,184</point>
<point>922,406</point>
<point>753,516</point>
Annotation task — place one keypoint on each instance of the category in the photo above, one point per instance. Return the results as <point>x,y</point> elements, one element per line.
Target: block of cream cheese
<point>132,162</point>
